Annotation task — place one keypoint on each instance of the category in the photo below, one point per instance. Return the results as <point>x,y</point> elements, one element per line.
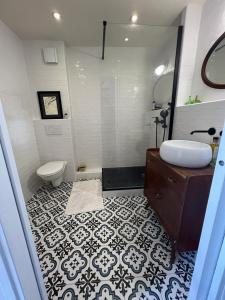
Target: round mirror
<point>213,68</point>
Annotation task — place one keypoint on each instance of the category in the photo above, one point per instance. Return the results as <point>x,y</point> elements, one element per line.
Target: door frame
<point>212,236</point>
<point>29,274</point>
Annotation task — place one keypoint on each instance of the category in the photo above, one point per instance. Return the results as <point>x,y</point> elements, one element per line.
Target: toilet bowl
<point>52,171</point>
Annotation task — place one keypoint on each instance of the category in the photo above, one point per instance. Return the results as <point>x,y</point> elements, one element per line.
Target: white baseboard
<point>89,174</point>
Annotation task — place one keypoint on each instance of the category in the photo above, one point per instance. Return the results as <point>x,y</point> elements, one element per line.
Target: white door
<point>217,288</point>
<point>208,278</point>
<point>10,287</point>
<point>24,274</point>
<point>16,243</point>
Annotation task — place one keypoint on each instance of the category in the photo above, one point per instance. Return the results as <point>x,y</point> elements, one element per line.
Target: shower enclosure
<point>137,97</point>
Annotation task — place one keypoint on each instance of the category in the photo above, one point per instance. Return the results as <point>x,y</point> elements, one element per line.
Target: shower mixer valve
<point>163,114</point>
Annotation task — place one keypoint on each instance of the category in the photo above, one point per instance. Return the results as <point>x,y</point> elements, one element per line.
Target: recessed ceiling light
<point>57,16</point>
<point>134,18</point>
<point>126,39</point>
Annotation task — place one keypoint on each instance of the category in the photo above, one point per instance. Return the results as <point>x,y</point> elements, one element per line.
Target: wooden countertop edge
<point>184,172</point>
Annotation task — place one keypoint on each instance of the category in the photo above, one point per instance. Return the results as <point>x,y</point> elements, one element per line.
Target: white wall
<point>207,114</point>
<point>51,77</point>
<point>46,77</point>
<point>191,21</point>
<point>15,95</point>
<point>56,146</point>
<point>199,117</point>
<point>212,26</point>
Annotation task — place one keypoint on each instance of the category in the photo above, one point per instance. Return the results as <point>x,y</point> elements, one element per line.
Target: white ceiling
<point>139,35</point>
<point>81,23</point>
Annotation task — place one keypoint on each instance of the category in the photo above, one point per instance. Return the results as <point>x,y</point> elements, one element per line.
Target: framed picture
<point>50,105</point>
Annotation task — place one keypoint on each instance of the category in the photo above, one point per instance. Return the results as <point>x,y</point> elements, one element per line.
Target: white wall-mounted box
<point>50,55</point>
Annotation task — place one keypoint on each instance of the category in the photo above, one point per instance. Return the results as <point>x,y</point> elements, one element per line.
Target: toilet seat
<point>51,168</point>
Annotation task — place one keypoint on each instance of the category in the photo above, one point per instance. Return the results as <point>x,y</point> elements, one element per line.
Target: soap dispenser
<point>215,148</point>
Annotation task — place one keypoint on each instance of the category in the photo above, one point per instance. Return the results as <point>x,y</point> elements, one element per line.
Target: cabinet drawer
<point>171,179</point>
<point>179,196</point>
<point>164,191</point>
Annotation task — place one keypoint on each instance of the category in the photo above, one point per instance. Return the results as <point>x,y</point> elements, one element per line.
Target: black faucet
<point>210,131</point>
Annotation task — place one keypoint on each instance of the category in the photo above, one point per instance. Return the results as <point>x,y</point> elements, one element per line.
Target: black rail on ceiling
<point>103,39</point>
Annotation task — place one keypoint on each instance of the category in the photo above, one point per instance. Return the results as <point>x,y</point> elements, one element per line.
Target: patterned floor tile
<point>73,265</point>
<point>87,284</point>
<point>105,291</point>
<point>135,259</point>
<point>122,280</point>
<point>141,290</point>
<point>91,246</point>
<point>174,288</point>
<point>121,252</point>
<point>104,262</point>
<point>54,284</point>
<point>68,293</point>
<point>161,255</point>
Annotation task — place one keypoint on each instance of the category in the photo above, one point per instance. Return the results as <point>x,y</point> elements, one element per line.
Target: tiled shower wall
<point>83,65</point>
<point>109,99</point>
<point>126,94</point>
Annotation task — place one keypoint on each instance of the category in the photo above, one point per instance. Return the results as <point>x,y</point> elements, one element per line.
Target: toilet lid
<point>51,168</point>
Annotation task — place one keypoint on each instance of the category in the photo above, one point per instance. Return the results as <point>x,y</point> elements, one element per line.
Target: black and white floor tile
<point>121,252</point>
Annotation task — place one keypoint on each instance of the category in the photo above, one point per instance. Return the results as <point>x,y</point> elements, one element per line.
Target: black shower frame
<point>175,76</point>
<point>175,80</point>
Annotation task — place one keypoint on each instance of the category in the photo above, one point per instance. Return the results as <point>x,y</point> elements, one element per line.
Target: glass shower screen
<point>136,84</point>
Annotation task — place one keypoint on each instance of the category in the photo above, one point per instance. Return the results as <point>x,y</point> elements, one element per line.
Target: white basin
<point>187,154</point>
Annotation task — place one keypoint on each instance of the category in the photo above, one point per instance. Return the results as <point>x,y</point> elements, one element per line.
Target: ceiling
<point>139,35</point>
<point>81,23</point>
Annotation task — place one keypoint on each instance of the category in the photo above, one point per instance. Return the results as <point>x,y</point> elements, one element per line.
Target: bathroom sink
<point>187,154</point>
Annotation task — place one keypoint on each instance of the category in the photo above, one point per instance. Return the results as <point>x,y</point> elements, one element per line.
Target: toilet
<point>52,171</point>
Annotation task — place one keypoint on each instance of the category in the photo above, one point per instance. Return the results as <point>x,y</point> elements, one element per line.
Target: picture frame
<point>50,104</point>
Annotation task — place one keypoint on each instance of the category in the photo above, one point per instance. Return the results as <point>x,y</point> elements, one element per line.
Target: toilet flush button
<point>53,130</point>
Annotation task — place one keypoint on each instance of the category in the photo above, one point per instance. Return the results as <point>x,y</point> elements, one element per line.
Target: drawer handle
<point>171,179</point>
<point>158,196</point>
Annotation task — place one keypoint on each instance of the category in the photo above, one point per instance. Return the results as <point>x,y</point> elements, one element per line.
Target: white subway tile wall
<point>199,117</point>
<point>48,77</point>
<point>212,26</point>
<point>191,21</point>
<point>208,114</point>
<point>83,66</point>
<point>56,147</point>
<point>15,96</point>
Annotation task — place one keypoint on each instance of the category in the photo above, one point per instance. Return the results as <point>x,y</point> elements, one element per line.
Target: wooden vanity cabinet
<point>179,196</point>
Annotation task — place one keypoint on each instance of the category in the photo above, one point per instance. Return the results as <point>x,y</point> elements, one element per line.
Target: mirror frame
<point>204,65</point>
